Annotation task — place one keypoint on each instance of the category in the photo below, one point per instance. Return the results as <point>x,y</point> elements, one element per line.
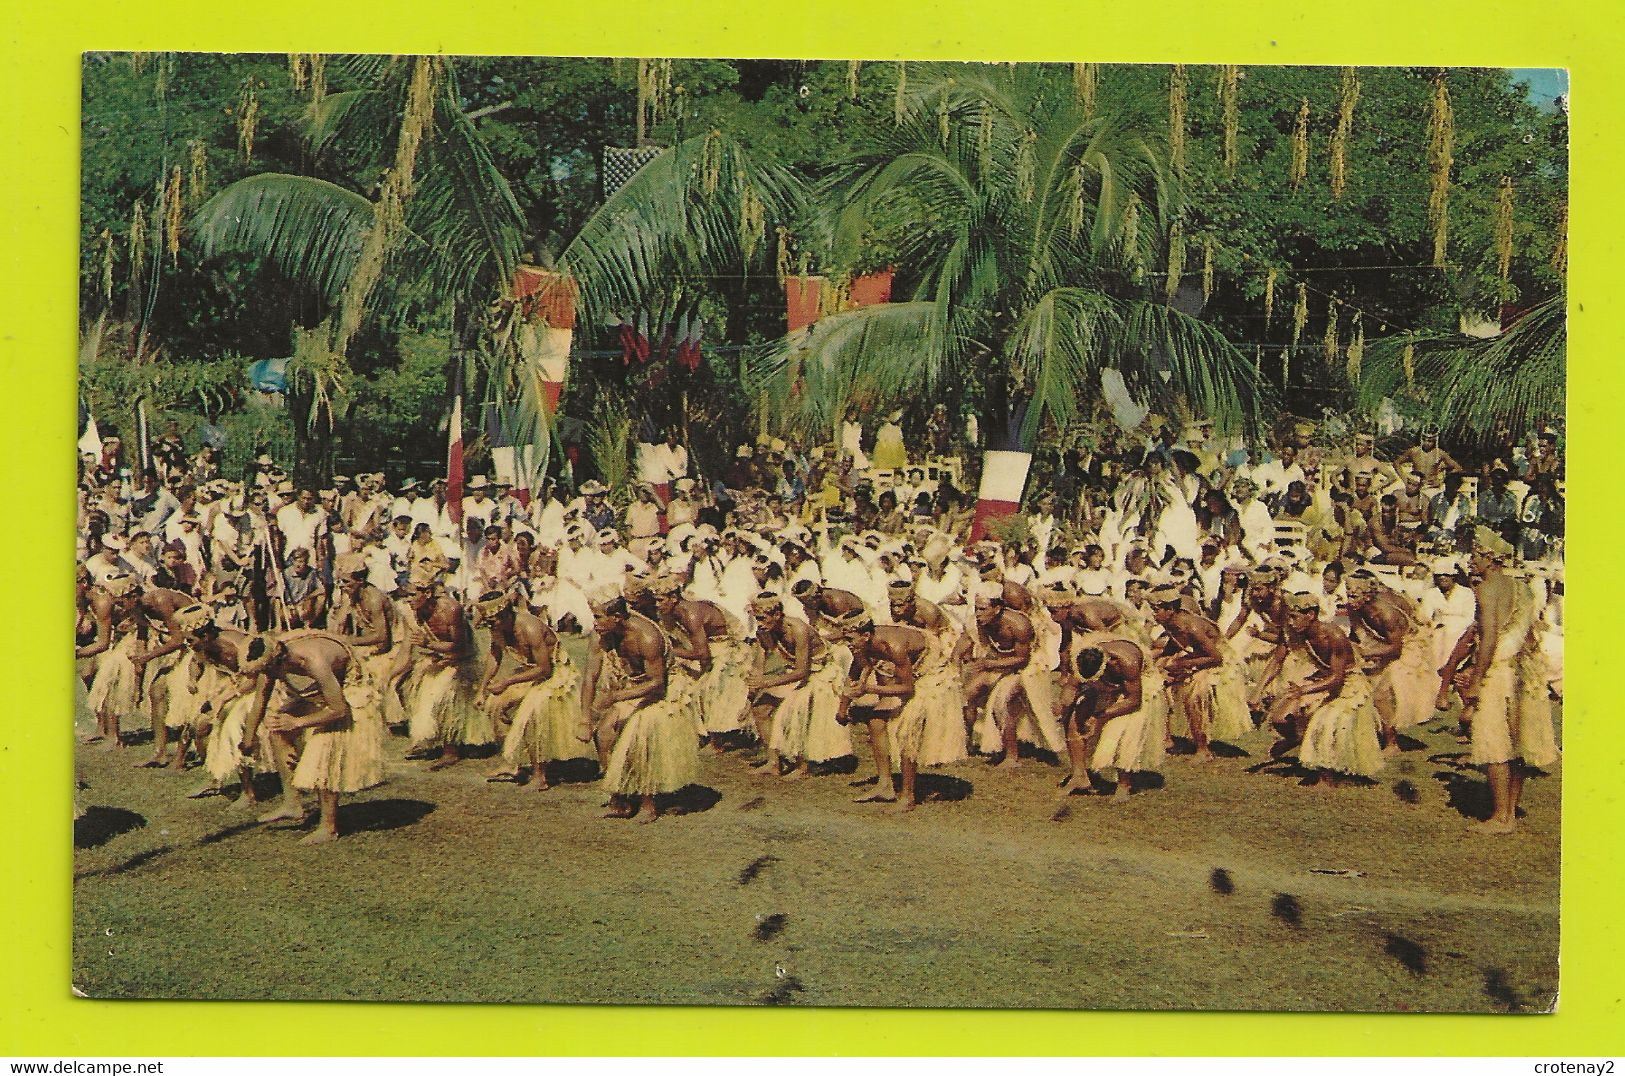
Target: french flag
<point>454,455</point>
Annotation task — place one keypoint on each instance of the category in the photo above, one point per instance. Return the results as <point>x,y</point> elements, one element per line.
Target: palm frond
<point>877,354</point>
<point>1470,386</point>
<point>685,207</point>
<point>310,229</point>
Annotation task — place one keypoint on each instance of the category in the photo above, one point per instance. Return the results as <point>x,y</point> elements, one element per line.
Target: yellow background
<point>39,136</point>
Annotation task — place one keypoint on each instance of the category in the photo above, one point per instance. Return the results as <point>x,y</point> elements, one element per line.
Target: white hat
<point>592,488</point>
<point>684,484</point>
<point>478,482</point>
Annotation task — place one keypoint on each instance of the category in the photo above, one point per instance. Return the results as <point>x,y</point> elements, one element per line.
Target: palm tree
<point>455,235</point>
<point>441,223</point>
<point>1471,386</point>
<point>1028,224</point>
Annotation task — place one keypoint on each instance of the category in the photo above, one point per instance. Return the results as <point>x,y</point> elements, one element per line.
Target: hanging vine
<point>711,162</point>
<point>1080,201</point>
<point>1441,139</point>
<point>138,243</point>
<point>1300,147</point>
<point>1176,260</point>
<point>297,72</point>
<point>1085,82</point>
<point>1503,236</point>
<point>781,263</point>
<point>902,88</point>
<point>106,241</point>
<point>1131,235</point>
<point>1176,119</point>
<point>198,171</point>
<point>1207,269</point>
<point>1300,314</point>
<point>1356,352</point>
<point>852,67</point>
<point>248,116</point>
<point>1027,166</point>
<point>1345,125</point>
<point>1269,299</point>
<point>1329,342</point>
<point>1407,360</point>
<point>984,136</point>
<point>173,211</point>
<point>1230,109</point>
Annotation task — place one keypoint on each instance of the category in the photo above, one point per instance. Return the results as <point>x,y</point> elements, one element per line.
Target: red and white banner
<point>547,304</point>
<point>454,460</point>
<point>1004,477</point>
<point>803,297</point>
<point>871,289</point>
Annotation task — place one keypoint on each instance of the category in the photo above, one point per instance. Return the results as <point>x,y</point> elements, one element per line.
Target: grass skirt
<point>113,691</point>
<point>656,751</point>
<point>721,696</point>
<point>1038,724</point>
<point>1514,716</point>
<point>1342,732</point>
<point>224,756</point>
<point>1219,697</point>
<point>1133,743</point>
<point>546,720</point>
<point>348,756</point>
<point>804,725</point>
<point>444,708</point>
<point>1412,679</point>
<point>931,727</point>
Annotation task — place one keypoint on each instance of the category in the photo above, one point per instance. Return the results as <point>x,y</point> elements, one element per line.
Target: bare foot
<point>877,797</point>
<point>1391,749</point>
<point>1493,827</point>
<point>1009,763</point>
<point>758,763</point>
<point>205,792</point>
<point>444,761</point>
<point>1121,795</point>
<point>319,836</point>
<point>500,775</point>
<point>648,816</point>
<point>1204,756</point>
<point>294,812</point>
<point>153,763</point>
<point>904,806</point>
<point>539,783</point>
<point>793,773</point>
<point>620,812</point>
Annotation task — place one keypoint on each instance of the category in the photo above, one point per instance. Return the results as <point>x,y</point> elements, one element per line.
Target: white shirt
<point>299,529</point>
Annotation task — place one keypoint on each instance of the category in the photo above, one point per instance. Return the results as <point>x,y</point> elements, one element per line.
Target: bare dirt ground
<point>995,893</point>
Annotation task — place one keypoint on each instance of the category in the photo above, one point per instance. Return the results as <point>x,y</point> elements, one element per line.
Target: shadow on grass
<point>98,825</point>
<point>381,815</point>
<point>942,788</point>
<point>844,766</point>
<point>1183,745</point>
<point>692,799</point>
<point>572,771</point>
<point>1467,796</point>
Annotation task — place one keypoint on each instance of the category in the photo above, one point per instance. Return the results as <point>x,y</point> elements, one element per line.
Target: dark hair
<point>1335,567</point>
<point>256,648</point>
<point>1088,662</point>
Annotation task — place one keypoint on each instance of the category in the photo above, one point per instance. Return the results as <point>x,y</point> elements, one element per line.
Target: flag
<point>802,295</point>
<point>1004,477</point>
<point>90,443</point>
<point>141,435</point>
<point>547,301</point>
<point>454,455</point>
<point>871,289</point>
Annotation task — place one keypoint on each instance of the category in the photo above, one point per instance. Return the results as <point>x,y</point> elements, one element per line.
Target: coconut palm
<point>1028,226</point>
<point>445,223</point>
<point>1471,386</point>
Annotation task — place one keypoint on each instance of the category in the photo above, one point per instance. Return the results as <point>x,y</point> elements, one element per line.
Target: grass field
<point>995,894</point>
